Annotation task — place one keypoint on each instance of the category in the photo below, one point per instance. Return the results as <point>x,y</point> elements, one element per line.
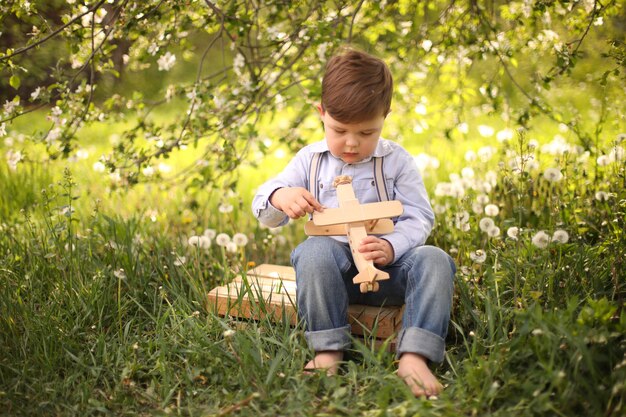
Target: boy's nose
<point>351,142</point>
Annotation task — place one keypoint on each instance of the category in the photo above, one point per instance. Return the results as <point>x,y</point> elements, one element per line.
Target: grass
<point>103,303</point>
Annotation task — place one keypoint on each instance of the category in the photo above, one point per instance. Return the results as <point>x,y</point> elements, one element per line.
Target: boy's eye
<point>366,133</point>
<point>341,132</point>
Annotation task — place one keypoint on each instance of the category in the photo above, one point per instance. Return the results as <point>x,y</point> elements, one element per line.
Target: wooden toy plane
<point>356,220</point>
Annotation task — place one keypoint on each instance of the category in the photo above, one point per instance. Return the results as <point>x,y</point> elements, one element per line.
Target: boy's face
<point>352,142</point>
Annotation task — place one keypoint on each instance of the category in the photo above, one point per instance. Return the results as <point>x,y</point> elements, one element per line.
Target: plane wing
<point>358,213</point>
<point>373,227</point>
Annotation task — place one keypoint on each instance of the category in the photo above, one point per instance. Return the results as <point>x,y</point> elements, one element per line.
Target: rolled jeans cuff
<point>331,339</point>
<point>422,342</point>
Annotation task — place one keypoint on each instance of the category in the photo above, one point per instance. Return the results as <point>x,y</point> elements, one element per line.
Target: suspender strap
<point>314,169</point>
<point>379,179</point>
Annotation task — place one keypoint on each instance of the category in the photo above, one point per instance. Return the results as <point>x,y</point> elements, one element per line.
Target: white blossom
<point>210,233</point>
<point>99,166</point>
<point>148,171</point>
<point>504,135</point>
<point>13,158</point>
<point>35,94</point>
<point>485,131</point>
<point>166,61</point>
<point>164,168</point>
<point>238,64</point>
<point>421,109</point>
<point>10,106</point>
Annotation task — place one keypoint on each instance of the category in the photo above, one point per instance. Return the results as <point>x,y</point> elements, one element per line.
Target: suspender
<point>379,177</point>
<point>313,179</point>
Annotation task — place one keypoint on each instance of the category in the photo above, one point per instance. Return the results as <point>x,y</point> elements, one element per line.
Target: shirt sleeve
<point>416,222</point>
<point>294,175</point>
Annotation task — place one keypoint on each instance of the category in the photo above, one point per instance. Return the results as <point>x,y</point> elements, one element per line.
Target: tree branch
<point>53,34</point>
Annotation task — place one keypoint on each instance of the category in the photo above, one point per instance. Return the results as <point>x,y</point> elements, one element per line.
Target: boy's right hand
<point>295,202</point>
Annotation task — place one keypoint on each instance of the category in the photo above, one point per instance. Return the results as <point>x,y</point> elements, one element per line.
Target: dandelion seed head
<point>486,223</point>
<point>491,210</point>
<point>231,247</point>
<point>486,153</point>
<point>603,160</point>
<point>222,239</point>
<point>462,217</point>
<point>240,239</point>
<point>541,239</point>
<point>494,232</point>
<point>225,208</point>
<point>180,260</point>
<point>513,232</point>
<point>478,256</point>
<point>553,174</point>
<point>560,236</point>
<point>602,195</point>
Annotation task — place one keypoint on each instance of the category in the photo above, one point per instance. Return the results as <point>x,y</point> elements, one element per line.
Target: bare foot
<point>413,369</point>
<point>327,360</point>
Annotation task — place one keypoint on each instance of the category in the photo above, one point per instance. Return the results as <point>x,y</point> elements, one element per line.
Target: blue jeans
<point>422,279</point>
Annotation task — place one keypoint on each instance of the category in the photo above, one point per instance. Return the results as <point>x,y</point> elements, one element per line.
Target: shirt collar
<point>383,148</point>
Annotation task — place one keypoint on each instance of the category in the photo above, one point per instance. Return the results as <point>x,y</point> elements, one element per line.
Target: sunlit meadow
<point>104,290</point>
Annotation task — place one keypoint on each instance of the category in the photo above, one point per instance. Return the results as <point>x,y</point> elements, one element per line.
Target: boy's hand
<point>295,202</point>
<point>376,249</point>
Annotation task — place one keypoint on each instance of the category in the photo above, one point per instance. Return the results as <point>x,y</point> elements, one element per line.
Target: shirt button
<point>321,185</point>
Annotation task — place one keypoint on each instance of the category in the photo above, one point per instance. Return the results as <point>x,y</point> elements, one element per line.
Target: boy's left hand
<point>376,249</point>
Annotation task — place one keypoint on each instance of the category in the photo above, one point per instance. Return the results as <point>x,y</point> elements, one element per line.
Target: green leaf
<point>15,81</point>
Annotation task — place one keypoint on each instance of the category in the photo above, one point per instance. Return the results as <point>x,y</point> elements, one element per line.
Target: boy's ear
<point>320,109</point>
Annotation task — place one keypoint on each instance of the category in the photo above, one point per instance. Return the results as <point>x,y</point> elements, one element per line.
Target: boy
<point>356,98</point>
